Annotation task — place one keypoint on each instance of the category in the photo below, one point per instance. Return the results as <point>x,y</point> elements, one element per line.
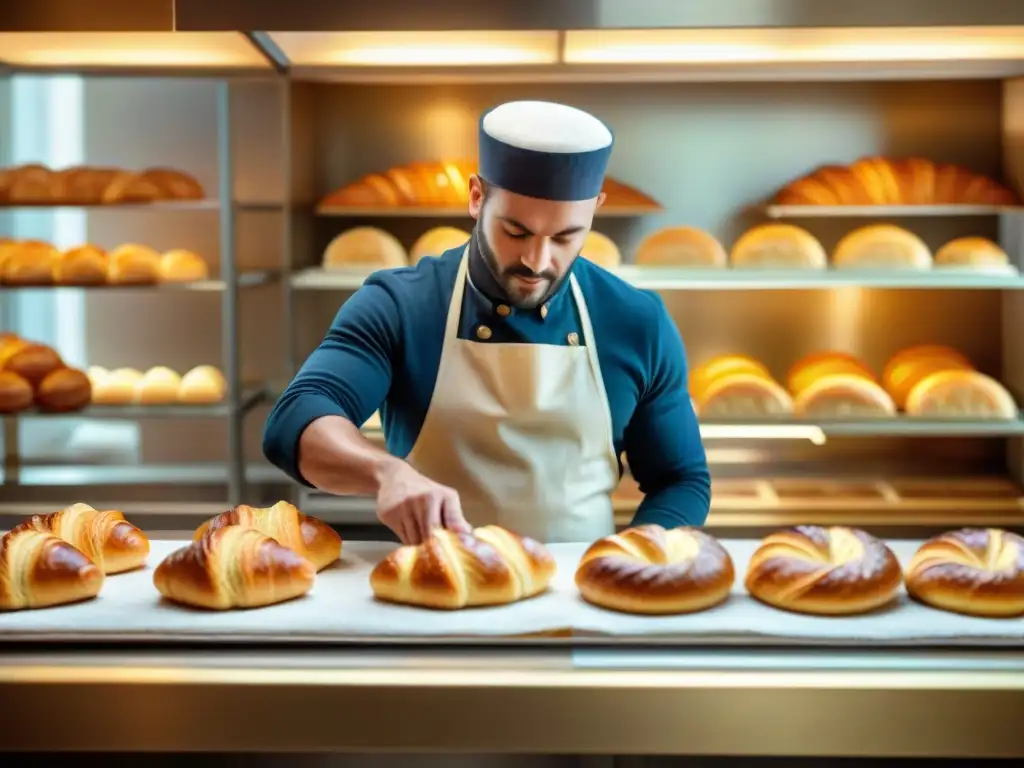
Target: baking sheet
<point>341,607</point>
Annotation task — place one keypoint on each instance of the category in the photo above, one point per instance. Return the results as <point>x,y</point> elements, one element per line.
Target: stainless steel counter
<point>516,701</point>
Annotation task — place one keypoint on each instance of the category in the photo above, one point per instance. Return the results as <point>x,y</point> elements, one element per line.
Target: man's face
<point>528,244</point>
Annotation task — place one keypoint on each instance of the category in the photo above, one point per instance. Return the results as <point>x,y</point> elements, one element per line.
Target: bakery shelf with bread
<point>441,188</point>
<point>38,185</point>
<point>33,377</point>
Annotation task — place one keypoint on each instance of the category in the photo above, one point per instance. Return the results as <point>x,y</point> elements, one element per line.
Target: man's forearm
<point>335,457</point>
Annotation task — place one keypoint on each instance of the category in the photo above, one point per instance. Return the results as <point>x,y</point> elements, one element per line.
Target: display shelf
<point>621,211</point>
<point>248,279</point>
<point>157,206</point>
<point>672,279</point>
<point>250,399</point>
<point>882,211</point>
<point>193,474</point>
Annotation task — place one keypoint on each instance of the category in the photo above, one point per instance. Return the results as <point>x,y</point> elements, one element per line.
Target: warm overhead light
<point>411,49</point>
<point>809,432</point>
<point>792,46</point>
<point>135,49</point>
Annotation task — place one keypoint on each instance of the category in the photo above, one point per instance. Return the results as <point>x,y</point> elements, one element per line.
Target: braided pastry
<point>972,571</point>
<point>39,570</point>
<point>105,537</point>
<point>491,566</point>
<point>650,570</point>
<point>832,571</point>
<point>233,567</point>
<point>311,538</point>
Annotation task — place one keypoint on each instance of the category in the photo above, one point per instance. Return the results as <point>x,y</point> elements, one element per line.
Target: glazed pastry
<point>128,187</point>
<point>33,362</point>
<point>29,262</point>
<point>64,390</point>
<point>172,184</point>
<point>84,265</point>
<point>182,266</point>
<point>133,264</point>
<point>16,393</point>
<point>39,570</point>
<point>909,366</point>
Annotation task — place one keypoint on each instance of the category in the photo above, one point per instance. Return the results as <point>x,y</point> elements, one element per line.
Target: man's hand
<point>412,505</point>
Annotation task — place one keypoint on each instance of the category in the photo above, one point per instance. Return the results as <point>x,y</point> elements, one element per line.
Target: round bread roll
<point>843,396</point>
<point>778,246</point>
<point>201,385</point>
<point>809,369</point>
<point>601,250</point>
<point>681,247</point>
<point>436,241</point>
<point>133,264</point>
<point>181,266</point>
<point>971,252</point>
<point>33,362</point>
<point>909,366</point>
<point>30,262</point>
<point>881,246</point>
<point>158,386</point>
<point>63,390</point>
<point>84,265</point>
<point>365,247</point>
<point>972,571</point>
<point>649,570</point>
<point>960,394</point>
<point>832,571</point>
<point>96,374</point>
<point>742,396</point>
<point>15,393</point>
<point>723,365</point>
<point>117,387</point>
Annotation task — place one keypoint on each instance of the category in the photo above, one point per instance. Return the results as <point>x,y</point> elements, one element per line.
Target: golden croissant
<point>39,570</point>
<point>490,566</point>
<point>311,538</point>
<point>105,537</point>
<point>233,567</point>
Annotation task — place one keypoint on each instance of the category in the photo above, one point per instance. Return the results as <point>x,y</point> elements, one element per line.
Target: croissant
<point>971,571</point>
<point>39,570</point>
<point>440,184</point>
<point>881,181</point>
<point>649,570</point>
<point>233,567</point>
<point>311,538</point>
<point>105,537</point>
<point>829,571</point>
<point>490,566</point>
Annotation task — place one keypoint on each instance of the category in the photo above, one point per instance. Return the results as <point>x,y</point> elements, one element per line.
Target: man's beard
<point>505,279</point>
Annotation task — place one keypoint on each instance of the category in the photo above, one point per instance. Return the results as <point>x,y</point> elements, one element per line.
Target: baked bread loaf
<point>829,571</point>
<point>881,181</point>
<point>601,250</point>
<point>105,537</point>
<point>436,241</point>
<point>978,572</point>
<point>203,384</point>
<point>778,246</point>
<point>173,184</point>
<point>181,266</point>
<point>31,184</point>
<point>35,184</point>
<point>39,570</point>
<point>133,264</point>
<point>959,393</point>
<point>817,365</point>
<point>33,362</point>
<point>233,567</point>
<point>736,386</point>
<point>650,570</point>
<point>971,252</point>
<point>64,390</point>
<point>158,386</point>
<point>311,538</point>
<point>116,387</point>
<point>445,184</point>
<point>723,365</point>
<point>81,185</point>
<point>843,396</point>
<point>84,265</point>
<point>909,366</point>
<point>881,246</point>
<point>29,262</point>
<point>16,394</point>
<point>366,248</point>
<point>490,566</point>
<point>681,247</point>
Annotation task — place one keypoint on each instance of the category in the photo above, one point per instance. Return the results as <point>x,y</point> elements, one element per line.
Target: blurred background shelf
<point>247,279</point>
<point>158,206</point>
<point>250,399</point>
<point>883,211</point>
<point>455,213</point>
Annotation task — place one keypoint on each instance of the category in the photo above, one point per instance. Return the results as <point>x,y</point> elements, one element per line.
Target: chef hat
<point>544,150</point>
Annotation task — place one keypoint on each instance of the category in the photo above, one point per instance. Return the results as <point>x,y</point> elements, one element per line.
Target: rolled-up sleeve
<point>348,375</point>
<point>662,441</point>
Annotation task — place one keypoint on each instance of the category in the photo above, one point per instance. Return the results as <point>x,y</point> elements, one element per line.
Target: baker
<point>510,373</point>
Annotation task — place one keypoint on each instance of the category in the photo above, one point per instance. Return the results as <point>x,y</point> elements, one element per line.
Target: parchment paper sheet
<point>341,606</point>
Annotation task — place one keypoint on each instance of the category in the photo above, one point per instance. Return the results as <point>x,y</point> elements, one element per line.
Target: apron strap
<point>595,364</point>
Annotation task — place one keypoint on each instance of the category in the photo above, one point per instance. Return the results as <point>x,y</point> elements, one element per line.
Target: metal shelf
<point>459,212</point>
<point>250,399</point>
<point>668,279</point>
<point>882,211</point>
<point>71,475</point>
<point>158,206</point>
<point>245,280</point>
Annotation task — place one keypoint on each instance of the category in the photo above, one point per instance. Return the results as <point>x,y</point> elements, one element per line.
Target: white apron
<point>522,431</point>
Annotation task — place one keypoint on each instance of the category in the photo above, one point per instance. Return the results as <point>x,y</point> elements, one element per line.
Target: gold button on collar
<point>573,339</point>
<point>543,311</point>
<point>483,332</point>
<point>504,310</point>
